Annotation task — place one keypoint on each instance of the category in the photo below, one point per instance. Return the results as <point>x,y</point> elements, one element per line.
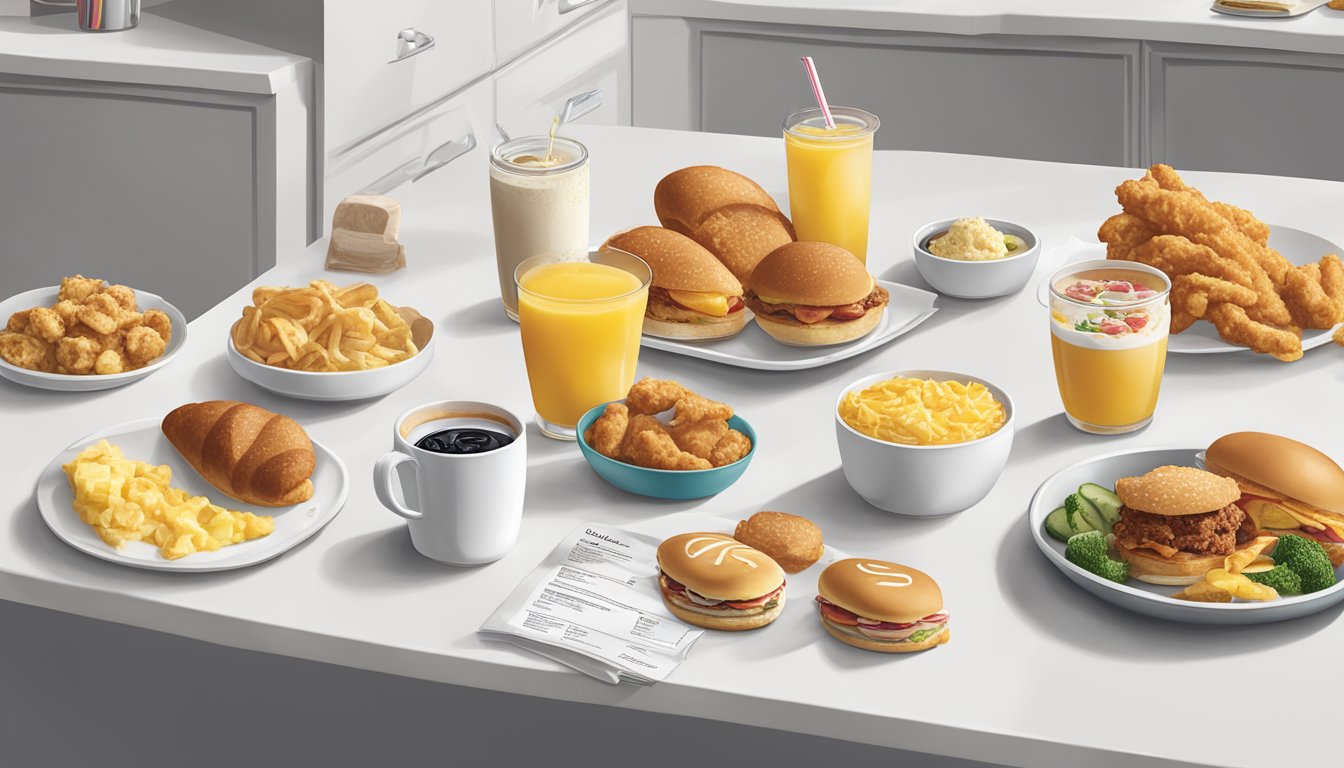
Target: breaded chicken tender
<point>101,312</point>
<point>109,361</point>
<point>640,422</point>
<point>159,321</point>
<point>44,323</point>
<point>693,407</point>
<point>698,437</point>
<point>653,396</point>
<point>77,354</point>
<point>733,446</point>
<point>78,288</point>
<point>142,345</point>
<point>606,433</point>
<point>124,295</point>
<point>656,450</point>
<point>24,351</point>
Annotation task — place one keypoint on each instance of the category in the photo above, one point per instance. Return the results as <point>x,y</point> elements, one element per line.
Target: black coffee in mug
<point>463,440</point>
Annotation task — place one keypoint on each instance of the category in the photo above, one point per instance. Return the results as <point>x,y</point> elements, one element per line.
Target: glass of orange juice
<point>831,176</point>
<point>581,322</point>
<point>1109,322</point>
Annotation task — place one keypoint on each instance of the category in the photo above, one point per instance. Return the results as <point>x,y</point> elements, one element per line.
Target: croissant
<point>248,452</point>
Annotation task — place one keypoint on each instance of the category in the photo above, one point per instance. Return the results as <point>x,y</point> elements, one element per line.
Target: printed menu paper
<point>594,605</point>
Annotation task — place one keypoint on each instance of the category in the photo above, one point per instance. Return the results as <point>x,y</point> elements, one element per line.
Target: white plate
<point>754,348</point>
<point>142,440</point>
<point>1151,599</point>
<point>64,382</point>
<point>1298,9</point>
<point>1202,338</point>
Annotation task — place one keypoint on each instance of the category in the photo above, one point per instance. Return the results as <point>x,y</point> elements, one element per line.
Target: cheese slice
<point>712,304</point>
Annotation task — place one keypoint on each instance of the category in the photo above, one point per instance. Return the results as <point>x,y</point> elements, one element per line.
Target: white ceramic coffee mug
<point>470,504</point>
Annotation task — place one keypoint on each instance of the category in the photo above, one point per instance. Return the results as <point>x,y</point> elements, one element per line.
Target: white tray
<point>753,348</point>
<point>1202,338</point>
<point>142,440</point>
<point>1151,599</point>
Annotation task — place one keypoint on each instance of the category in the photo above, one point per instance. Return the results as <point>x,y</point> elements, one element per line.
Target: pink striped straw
<point>815,79</point>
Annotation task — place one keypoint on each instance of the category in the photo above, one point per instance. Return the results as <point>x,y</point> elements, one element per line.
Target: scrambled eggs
<point>973,240</point>
<point>126,500</point>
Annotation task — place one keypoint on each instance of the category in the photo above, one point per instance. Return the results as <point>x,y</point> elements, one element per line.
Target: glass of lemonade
<point>581,322</point>
<point>1109,322</point>
<point>539,202</point>
<point>831,176</point>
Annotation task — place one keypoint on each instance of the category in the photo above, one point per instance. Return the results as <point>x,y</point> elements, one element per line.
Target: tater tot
<point>78,288</point>
<point>142,345</point>
<point>160,322</point>
<point>44,323</point>
<point>77,354</point>
<point>109,361</point>
<point>124,295</point>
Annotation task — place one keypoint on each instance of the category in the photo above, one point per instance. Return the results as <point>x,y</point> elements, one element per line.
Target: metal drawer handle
<point>567,6</point>
<point>580,104</point>
<point>444,154</point>
<point>411,41</point>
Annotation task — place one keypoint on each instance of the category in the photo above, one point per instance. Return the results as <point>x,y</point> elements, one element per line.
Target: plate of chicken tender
<point>666,441</point>
<point>87,334</point>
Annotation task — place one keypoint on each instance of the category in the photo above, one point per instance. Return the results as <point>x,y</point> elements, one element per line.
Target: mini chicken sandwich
<point>712,580</point>
<point>810,294</point>
<point>1178,523</point>
<point>880,606</point>
<point>692,294</point>
<point>1286,486</point>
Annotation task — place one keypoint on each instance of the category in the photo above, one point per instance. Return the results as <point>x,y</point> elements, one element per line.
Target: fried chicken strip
<point>1236,327</point>
<point>653,395</point>
<point>606,433</point>
<point>656,450</point>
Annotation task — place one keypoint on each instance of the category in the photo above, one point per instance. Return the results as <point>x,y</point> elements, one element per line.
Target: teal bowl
<point>665,483</point>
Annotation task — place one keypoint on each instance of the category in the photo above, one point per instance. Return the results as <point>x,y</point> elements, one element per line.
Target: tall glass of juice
<point>539,202</point>
<point>1109,322</point>
<point>580,322</point>
<point>831,176</point>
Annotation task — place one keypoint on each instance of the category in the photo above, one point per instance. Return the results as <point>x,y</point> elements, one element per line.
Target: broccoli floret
<point>1308,560</point>
<point>1088,551</point>
<point>1283,579</point>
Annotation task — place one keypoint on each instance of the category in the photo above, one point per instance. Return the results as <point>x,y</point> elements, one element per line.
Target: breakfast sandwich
<point>692,294</point>
<point>811,294</point>
<point>712,580</point>
<point>881,606</point>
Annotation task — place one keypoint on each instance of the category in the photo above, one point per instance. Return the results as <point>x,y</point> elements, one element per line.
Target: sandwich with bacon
<point>1286,486</point>
<point>692,294</point>
<point>880,606</point>
<point>810,294</point>
<point>712,580</point>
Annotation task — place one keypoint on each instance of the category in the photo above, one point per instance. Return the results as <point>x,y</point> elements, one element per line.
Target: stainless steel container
<point>107,15</point>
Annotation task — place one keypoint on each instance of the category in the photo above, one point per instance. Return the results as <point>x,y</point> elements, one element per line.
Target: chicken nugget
<point>78,288</point>
<point>105,341</point>
<point>142,345</point>
<point>108,361</point>
<point>160,322</point>
<point>605,434</point>
<point>24,351</point>
<point>129,319</point>
<point>640,422</point>
<point>44,323</point>
<point>693,407</point>
<point>18,322</point>
<point>124,294</point>
<point>68,310</point>
<point>653,395</point>
<point>101,312</point>
<point>733,446</point>
<point>77,354</point>
<point>656,450</point>
<point>1236,327</point>
<point>698,437</point>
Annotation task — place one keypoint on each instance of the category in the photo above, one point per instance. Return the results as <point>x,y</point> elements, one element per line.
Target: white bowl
<point>923,480</point>
<point>66,382</point>
<point>331,385</point>
<point>976,279</point>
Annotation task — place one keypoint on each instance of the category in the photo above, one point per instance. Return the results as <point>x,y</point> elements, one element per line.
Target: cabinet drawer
<point>532,91</point>
<point>450,138</point>
<point>519,24</point>
<point>367,87</point>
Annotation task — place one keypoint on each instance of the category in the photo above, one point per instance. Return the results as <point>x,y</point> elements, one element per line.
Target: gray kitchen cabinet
<point>1250,111</point>
<point>187,193</point>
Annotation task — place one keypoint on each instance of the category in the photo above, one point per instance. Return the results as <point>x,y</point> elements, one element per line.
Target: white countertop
<point>158,52</point>
<point>1181,21</point>
<point>1038,673</point>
